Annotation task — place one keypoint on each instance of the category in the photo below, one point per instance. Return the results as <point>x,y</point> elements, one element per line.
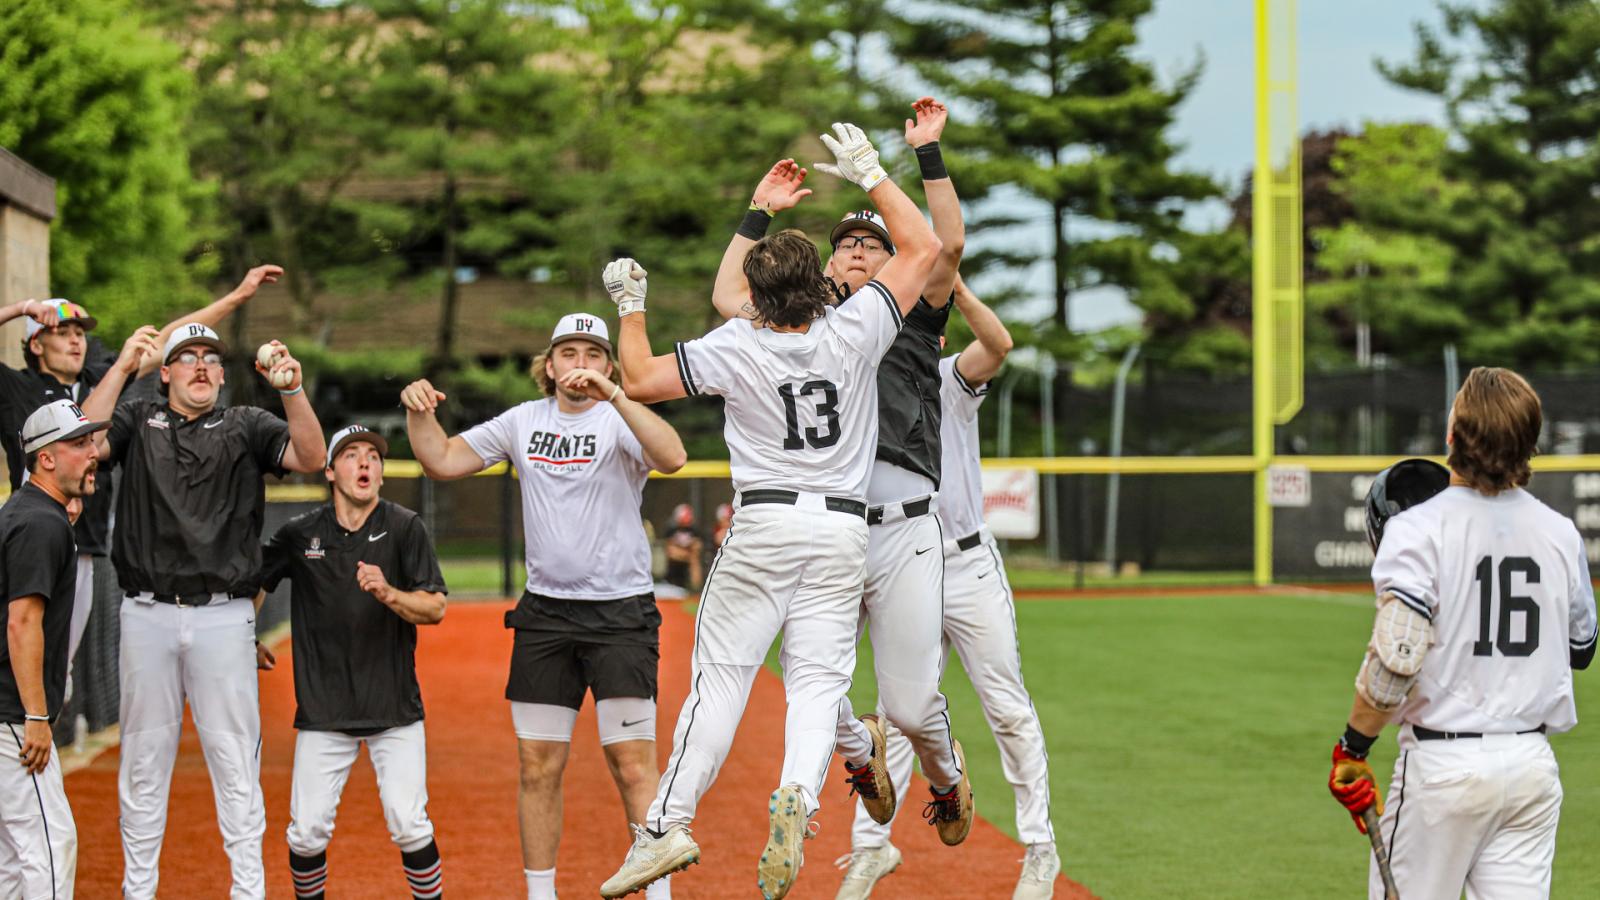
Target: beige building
<point>27,206</point>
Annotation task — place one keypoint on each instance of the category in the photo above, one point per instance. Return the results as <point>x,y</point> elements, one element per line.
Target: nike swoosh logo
<point>627,724</point>
<point>212,424</point>
<point>984,575</point>
<point>378,536</point>
<point>923,550</point>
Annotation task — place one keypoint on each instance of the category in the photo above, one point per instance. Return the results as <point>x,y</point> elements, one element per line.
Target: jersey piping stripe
<point>44,820</point>
<point>1016,640</point>
<point>888,297</point>
<point>979,391</point>
<point>1584,645</point>
<point>1405,764</point>
<point>1417,606</point>
<point>684,375</point>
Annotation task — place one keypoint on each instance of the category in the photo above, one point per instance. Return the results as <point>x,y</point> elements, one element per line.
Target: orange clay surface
<point>472,779</point>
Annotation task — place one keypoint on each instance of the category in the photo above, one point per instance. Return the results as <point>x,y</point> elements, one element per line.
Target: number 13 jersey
<point>1505,580</point>
<point>802,408</point>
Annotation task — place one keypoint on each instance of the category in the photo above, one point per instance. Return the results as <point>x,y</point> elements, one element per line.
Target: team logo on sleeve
<point>554,452</point>
<point>315,551</point>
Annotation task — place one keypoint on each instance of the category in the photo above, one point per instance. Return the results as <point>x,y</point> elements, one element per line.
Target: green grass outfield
<point>1190,739</point>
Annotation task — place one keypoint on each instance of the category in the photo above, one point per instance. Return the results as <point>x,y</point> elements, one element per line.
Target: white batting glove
<point>857,159</point>
<point>625,282</point>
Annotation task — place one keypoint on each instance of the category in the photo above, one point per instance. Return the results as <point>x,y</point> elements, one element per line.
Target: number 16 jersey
<point>1505,580</point>
<point>802,408</point>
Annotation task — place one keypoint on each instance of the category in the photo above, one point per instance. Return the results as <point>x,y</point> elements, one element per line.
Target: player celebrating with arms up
<point>1484,609</point>
<point>800,384</point>
<point>587,620</point>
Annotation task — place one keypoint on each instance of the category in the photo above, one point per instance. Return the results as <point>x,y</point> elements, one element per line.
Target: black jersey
<point>24,390</point>
<point>37,557</point>
<point>908,393</point>
<point>190,496</point>
<point>354,658</point>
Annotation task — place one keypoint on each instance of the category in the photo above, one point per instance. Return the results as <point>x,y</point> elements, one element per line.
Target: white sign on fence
<point>1011,502</point>
<point>1288,486</point>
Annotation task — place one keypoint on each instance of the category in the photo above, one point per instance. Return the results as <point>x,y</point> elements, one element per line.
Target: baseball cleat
<point>871,781</point>
<point>863,867</point>
<point>952,812</point>
<point>652,858</point>
<point>784,854</point>
<point>1039,870</point>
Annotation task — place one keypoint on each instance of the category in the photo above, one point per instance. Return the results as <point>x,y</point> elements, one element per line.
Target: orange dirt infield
<point>472,778</point>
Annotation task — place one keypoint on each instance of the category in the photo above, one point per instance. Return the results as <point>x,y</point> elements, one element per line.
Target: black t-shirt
<point>190,498</point>
<point>37,557</point>
<point>354,658</point>
<point>24,390</point>
<point>679,570</point>
<point>908,393</point>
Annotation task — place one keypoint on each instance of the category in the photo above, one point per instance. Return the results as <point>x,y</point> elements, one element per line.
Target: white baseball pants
<point>797,569</point>
<point>1472,814</point>
<point>207,655</point>
<point>38,839</point>
<point>82,605</point>
<point>902,605</point>
<point>322,761</point>
<point>980,622</point>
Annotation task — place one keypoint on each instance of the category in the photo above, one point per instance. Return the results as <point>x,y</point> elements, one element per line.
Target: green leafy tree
<point>98,101</point>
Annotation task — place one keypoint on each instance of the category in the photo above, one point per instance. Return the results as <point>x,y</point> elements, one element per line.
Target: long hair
<point>787,287</point>
<point>1494,430</point>
<point>547,385</point>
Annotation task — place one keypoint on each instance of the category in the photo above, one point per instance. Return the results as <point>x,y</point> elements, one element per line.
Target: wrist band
<point>931,161</point>
<point>33,718</point>
<point>755,224</point>
<point>1355,743</point>
<point>615,390</point>
<point>297,389</point>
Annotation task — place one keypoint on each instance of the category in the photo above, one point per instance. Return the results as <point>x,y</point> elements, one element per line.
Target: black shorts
<point>562,649</point>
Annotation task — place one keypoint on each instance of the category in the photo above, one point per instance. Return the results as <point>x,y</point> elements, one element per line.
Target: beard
<point>86,483</point>
<point>574,396</point>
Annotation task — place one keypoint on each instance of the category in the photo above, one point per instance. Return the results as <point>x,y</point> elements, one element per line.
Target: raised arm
<point>37,310</point>
<point>308,450</point>
<point>102,401</point>
<point>213,313</point>
<point>917,248</point>
<point>645,378</point>
<point>443,458</point>
<point>981,360</point>
<point>943,204</point>
<point>662,448</point>
<point>779,189</point>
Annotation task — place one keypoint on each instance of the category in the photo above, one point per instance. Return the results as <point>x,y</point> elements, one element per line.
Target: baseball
<point>283,379</point>
<point>267,355</point>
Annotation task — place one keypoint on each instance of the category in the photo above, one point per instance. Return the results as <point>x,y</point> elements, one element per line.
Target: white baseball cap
<point>866,220</point>
<point>350,434</point>
<point>60,420</point>
<point>581,327</point>
<point>188,336</point>
<point>67,311</point>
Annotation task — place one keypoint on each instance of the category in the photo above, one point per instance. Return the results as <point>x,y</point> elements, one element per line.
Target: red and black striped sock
<point>310,874</point>
<point>424,871</point>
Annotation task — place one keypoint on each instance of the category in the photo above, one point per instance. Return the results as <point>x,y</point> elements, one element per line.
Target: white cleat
<point>784,854</point>
<point>863,868</point>
<point>1039,870</point>
<point>652,858</point>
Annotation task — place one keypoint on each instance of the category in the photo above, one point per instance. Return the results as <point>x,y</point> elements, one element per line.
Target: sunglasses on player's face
<point>865,242</point>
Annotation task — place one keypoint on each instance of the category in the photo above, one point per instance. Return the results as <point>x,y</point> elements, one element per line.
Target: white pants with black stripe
<point>797,569</point>
<point>1472,814</point>
<point>38,840</point>
<point>980,621</point>
<point>322,761</point>
<point>902,606</point>
<point>206,655</point>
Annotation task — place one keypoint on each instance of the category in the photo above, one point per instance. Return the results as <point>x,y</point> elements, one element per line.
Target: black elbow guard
<point>1582,658</point>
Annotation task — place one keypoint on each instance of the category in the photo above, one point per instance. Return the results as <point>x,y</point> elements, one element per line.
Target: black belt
<point>176,599</point>
<point>970,541</point>
<point>1428,734</point>
<point>790,498</point>
<point>912,510</point>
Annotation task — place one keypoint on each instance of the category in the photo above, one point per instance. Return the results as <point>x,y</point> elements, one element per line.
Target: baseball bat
<point>1370,818</point>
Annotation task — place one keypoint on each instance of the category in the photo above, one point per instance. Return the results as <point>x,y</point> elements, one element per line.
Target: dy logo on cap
<point>583,323</point>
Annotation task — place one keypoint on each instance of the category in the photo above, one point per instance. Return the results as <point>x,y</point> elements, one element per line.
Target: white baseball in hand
<point>268,355</point>
<point>283,379</point>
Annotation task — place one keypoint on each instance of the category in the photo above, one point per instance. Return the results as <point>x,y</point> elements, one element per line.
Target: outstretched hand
<point>420,397</point>
<point>780,188</point>
<point>855,159</point>
<point>139,346</point>
<point>931,116</point>
<point>255,278</point>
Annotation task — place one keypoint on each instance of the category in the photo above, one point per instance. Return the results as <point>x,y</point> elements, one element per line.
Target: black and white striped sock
<point>424,871</point>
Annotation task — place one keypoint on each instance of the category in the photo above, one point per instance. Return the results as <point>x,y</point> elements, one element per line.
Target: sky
<point>1339,85</point>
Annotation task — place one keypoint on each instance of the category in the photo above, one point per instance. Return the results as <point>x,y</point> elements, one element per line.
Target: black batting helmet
<point>1400,487</point>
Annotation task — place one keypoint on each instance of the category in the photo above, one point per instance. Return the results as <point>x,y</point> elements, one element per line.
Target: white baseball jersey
<point>961,486</point>
<point>802,408</point>
<point>1505,581</point>
<point>582,478</point>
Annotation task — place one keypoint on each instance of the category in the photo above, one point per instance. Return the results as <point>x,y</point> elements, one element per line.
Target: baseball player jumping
<point>365,576</point>
<point>187,548</point>
<point>587,620</point>
<point>904,587</point>
<point>38,568</point>
<point>800,385</point>
<point>1485,608</point>
<point>980,620</point>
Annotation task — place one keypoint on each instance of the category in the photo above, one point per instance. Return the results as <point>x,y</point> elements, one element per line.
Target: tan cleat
<point>1039,870</point>
<point>785,853</point>
<point>863,868</point>
<point>871,781</point>
<point>652,858</point>
<point>952,812</point>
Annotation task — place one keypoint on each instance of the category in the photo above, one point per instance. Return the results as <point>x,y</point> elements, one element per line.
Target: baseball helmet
<point>1398,488</point>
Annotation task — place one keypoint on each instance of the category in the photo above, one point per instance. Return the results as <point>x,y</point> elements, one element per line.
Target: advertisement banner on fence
<point>1011,502</point>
